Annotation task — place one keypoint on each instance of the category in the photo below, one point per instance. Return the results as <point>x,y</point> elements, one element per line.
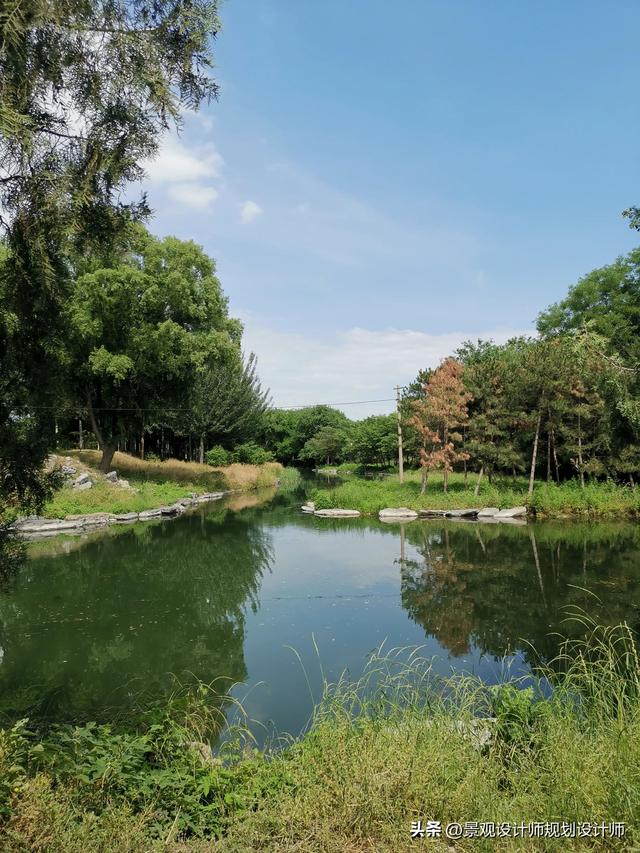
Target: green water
<point>92,626</point>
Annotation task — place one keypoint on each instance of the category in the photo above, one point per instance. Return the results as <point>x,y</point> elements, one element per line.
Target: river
<point>251,592</point>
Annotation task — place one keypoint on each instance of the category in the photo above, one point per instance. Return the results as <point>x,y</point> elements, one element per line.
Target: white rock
<point>112,476</point>
<point>514,512</point>
<point>82,478</point>
<point>392,513</point>
<point>82,487</point>
<point>337,513</point>
<point>488,512</point>
<point>149,513</point>
<point>126,517</point>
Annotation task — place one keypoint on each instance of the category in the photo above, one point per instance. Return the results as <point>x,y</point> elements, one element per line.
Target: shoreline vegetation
<point>401,744</point>
<point>549,500</point>
<point>150,486</point>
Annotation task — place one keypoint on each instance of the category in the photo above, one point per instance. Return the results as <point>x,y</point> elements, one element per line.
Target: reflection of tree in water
<point>127,612</point>
<point>493,587</point>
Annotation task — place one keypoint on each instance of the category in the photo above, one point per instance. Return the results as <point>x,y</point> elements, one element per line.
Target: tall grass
<point>400,744</point>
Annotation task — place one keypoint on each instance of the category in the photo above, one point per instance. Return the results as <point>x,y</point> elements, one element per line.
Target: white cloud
<point>193,195</point>
<point>353,365</point>
<point>176,163</point>
<point>249,210</point>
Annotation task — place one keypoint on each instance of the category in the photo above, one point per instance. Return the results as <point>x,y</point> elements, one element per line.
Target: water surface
<point>89,626</point>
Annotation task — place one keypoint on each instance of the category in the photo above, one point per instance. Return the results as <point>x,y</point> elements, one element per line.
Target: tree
<point>286,431</point>
<point>436,418</point>
<point>374,440</point>
<point>327,445</point>
<point>490,436</point>
<point>142,332</point>
<point>226,401</point>
<point>87,88</point>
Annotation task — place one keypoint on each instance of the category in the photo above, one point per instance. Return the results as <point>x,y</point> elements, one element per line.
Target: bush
<point>251,454</point>
<point>217,456</point>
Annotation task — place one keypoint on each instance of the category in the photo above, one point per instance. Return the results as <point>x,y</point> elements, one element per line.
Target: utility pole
<point>400,456</point>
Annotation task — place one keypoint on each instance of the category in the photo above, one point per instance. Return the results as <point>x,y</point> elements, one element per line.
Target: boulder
<point>112,476</point>
<point>514,512</point>
<point>488,512</point>
<point>461,513</point>
<point>68,470</point>
<point>45,525</point>
<point>337,513</point>
<point>432,513</point>
<point>126,517</point>
<point>149,513</point>
<point>308,507</point>
<point>82,487</point>
<point>397,514</point>
<point>82,478</point>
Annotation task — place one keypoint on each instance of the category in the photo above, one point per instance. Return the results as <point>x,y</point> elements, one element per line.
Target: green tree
<point>87,88</point>
<point>226,402</point>
<point>142,332</point>
<point>374,440</point>
<point>327,445</point>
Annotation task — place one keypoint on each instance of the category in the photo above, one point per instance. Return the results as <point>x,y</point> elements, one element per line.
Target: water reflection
<point>500,589</point>
<point>127,611</point>
<point>228,592</point>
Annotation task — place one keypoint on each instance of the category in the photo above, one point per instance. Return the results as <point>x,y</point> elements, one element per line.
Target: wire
<point>163,409</point>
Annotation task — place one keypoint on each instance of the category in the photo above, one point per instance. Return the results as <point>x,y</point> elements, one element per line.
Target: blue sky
<point>379,182</point>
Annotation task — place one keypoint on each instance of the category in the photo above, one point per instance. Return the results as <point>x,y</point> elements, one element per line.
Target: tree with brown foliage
<point>436,418</point>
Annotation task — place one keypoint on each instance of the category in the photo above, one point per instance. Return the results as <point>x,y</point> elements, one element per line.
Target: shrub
<point>217,456</point>
<point>251,454</point>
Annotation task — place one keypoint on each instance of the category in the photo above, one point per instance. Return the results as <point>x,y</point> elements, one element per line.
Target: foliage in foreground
<point>398,745</point>
<point>370,496</point>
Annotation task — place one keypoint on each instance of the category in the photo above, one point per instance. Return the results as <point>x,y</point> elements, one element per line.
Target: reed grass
<point>399,744</point>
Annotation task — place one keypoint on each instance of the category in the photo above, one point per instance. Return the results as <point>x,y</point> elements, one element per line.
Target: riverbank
<point>548,499</point>
<point>370,764</point>
<point>144,489</point>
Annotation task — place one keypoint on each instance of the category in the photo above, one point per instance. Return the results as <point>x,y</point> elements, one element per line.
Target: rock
<point>68,470</point>
<point>45,525</point>
<point>204,752</point>
<point>82,487</point>
<point>514,512</point>
<point>397,514</point>
<point>208,496</point>
<point>488,512</point>
<point>308,507</point>
<point>124,484</point>
<point>337,513</point>
<point>149,513</point>
<point>462,513</point>
<point>112,476</point>
<point>432,513</point>
<point>94,519</point>
<point>126,517</point>
<point>82,478</point>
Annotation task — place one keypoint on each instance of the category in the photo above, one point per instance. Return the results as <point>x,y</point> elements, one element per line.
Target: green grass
<point>400,744</point>
<point>370,496</point>
<point>103,497</point>
<point>155,484</point>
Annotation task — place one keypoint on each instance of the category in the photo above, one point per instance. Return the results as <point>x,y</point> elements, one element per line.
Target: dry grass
<point>205,477</point>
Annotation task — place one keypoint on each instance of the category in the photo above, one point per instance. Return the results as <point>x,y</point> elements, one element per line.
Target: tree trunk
<point>466,474</point>
<point>108,451</point>
<point>425,476</point>
<point>548,456</point>
<point>80,436</point>
<point>142,445</point>
<point>534,455</point>
<point>580,465</point>
<point>477,488</point>
<point>201,450</point>
<point>555,456</point>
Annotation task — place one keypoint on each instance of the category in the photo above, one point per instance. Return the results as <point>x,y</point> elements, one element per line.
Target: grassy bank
<point>153,483</point>
<point>416,747</point>
<point>370,496</point>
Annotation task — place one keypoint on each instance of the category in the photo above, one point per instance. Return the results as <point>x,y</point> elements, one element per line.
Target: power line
<point>164,410</point>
